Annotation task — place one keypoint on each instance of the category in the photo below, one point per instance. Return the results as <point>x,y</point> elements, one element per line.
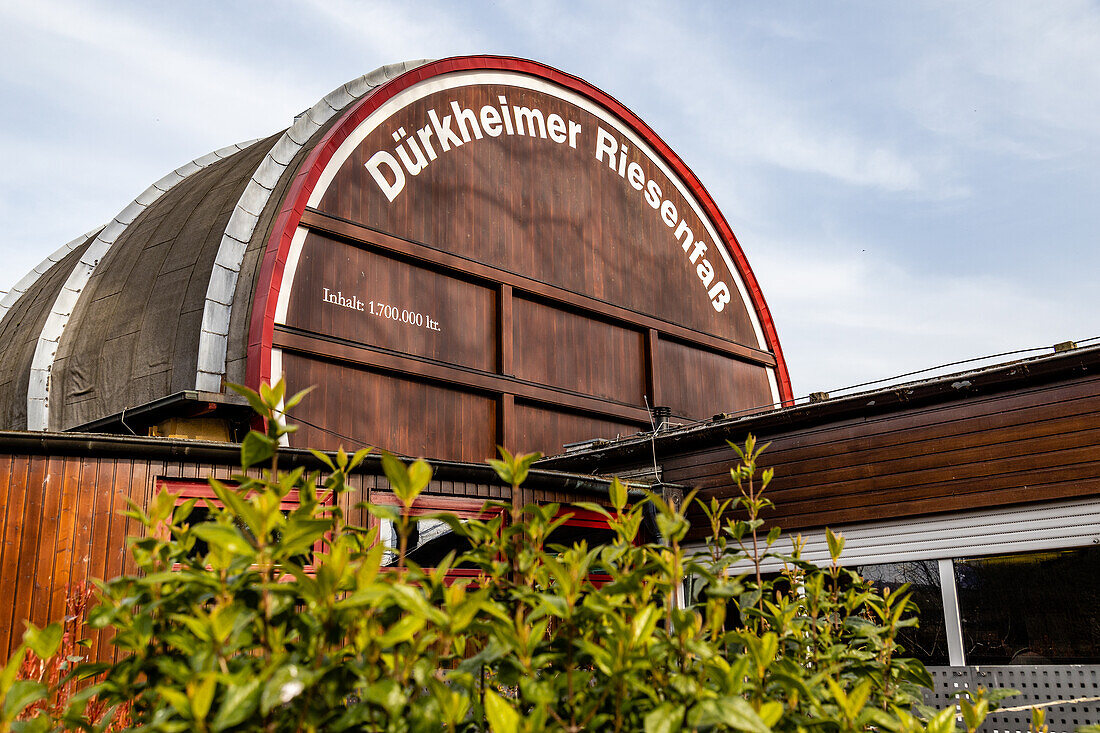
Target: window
<point>1031,608</point>
<point>187,489</point>
<point>431,539</point>
<point>928,641</point>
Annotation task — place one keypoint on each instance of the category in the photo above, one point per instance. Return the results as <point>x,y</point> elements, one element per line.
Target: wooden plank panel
<point>1035,481</point>
<point>85,520</point>
<point>9,551</point>
<point>98,536</point>
<point>1069,398</point>
<point>1037,444</point>
<point>1031,437</point>
<point>47,549</point>
<point>892,468</point>
<point>579,224</point>
<point>506,320</point>
<point>568,350</point>
<point>6,487</point>
<point>138,491</point>
<point>352,232</point>
<point>24,586</point>
<point>961,502</point>
<point>698,384</point>
<point>399,415</point>
<point>301,343</point>
<point>546,430</point>
<point>66,536</point>
<point>857,441</point>
<point>364,296</point>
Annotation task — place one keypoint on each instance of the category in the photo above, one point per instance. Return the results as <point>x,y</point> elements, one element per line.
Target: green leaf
<point>38,724</point>
<point>405,628</point>
<point>644,623</point>
<point>228,538</point>
<point>406,481</point>
<point>387,694</point>
<point>943,721</point>
<point>836,543</point>
<point>617,493</point>
<point>397,475</point>
<point>252,397</point>
<point>201,694</point>
<point>665,718</point>
<point>299,535</point>
<point>286,684</point>
<point>731,711</point>
<point>238,506</point>
<point>238,704</point>
<point>297,397</point>
<point>43,642</point>
<point>503,718</point>
<point>420,475</point>
<point>7,677</point>
<point>974,714</point>
<point>513,469</point>
<point>256,448</point>
<point>176,699</point>
<point>22,694</point>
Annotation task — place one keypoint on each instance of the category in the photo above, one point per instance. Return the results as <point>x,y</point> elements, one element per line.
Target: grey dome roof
<point>158,300</point>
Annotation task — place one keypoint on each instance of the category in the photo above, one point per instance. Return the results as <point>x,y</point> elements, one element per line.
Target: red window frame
<point>461,507</point>
<point>465,508</point>
<point>187,489</point>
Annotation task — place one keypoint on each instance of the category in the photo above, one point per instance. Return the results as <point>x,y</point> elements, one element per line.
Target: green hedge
<point>244,638</point>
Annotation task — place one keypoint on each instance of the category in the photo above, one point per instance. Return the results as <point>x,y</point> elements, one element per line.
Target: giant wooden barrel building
<point>484,250</point>
<point>458,253</point>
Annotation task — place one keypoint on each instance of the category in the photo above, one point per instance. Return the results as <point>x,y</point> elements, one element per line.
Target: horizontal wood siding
<point>1034,444</point>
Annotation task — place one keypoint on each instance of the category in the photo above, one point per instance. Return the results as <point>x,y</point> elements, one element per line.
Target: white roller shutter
<point>998,531</point>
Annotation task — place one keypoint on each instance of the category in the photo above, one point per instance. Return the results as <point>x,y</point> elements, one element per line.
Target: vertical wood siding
<point>62,523</point>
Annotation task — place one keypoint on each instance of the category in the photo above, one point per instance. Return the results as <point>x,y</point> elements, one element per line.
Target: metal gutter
<point>1032,372</point>
<point>167,407</point>
<point>176,449</point>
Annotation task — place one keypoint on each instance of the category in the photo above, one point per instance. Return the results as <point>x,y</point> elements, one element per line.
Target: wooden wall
<point>1034,443</point>
<point>561,301</point>
<point>61,521</point>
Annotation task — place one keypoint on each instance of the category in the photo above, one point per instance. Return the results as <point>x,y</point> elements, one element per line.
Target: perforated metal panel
<point>1070,694</point>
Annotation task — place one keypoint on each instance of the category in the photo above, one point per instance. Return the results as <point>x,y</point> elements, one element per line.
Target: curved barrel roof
<point>545,269</point>
<point>144,307</point>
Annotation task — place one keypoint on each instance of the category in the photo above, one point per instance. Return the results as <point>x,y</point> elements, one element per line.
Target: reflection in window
<point>928,641</point>
<point>431,539</point>
<point>429,542</point>
<point>1033,608</point>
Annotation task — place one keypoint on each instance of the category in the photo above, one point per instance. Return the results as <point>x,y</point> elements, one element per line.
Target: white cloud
<point>844,319</point>
<point>128,67</point>
<point>1015,77</point>
<point>399,31</point>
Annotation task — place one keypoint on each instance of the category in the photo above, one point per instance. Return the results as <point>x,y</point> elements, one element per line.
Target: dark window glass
<point>431,539</point>
<point>569,535</point>
<point>928,641</point>
<point>201,514</point>
<point>1033,608</point>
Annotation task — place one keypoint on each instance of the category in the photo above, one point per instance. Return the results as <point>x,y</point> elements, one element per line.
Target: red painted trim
<point>262,323</point>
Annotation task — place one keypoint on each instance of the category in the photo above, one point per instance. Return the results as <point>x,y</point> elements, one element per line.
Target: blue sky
<point>913,183</point>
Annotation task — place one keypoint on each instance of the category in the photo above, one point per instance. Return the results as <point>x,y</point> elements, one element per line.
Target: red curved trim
<point>262,324</point>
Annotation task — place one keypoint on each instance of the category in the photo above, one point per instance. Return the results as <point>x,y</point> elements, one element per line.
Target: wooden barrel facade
<point>458,254</point>
<point>508,256</point>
